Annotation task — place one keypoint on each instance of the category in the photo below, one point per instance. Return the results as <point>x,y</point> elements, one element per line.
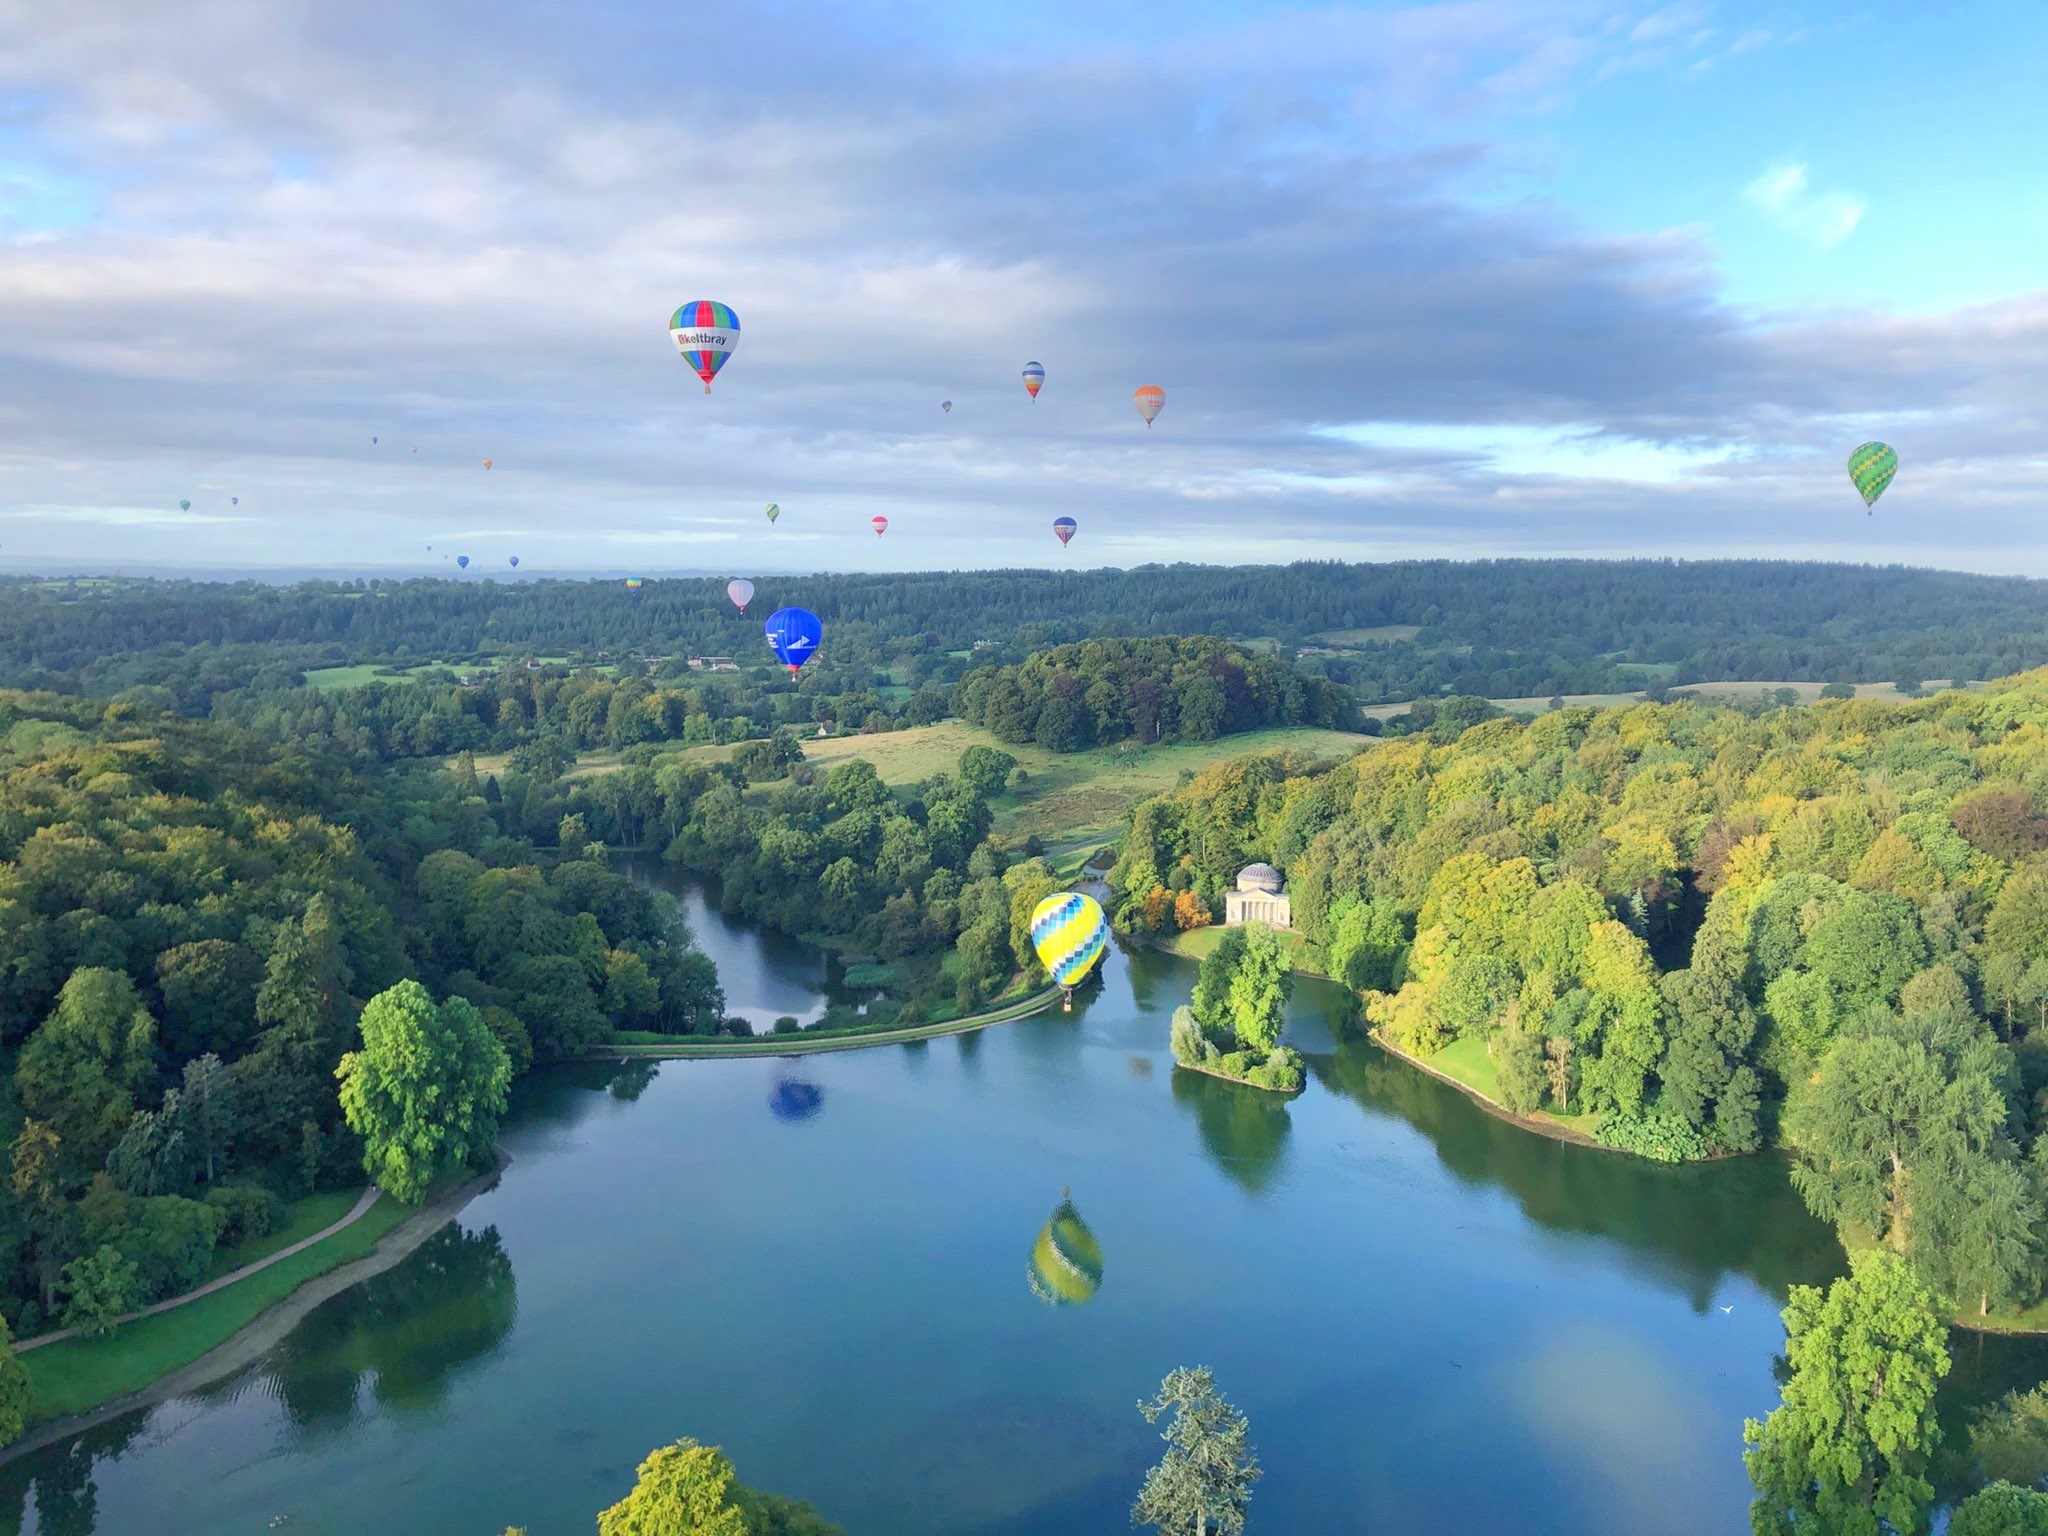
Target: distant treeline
<point>1489,628</point>
<point>1168,689</point>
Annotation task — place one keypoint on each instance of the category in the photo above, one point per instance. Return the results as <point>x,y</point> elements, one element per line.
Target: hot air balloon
<point>705,332</point>
<point>1066,1261</point>
<point>1063,529</point>
<point>463,561</point>
<point>794,634</point>
<point>515,562</point>
<point>184,506</point>
<point>234,501</point>
<point>1034,378</point>
<point>946,406</point>
<point>487,463</point>
<point>774,511</point>
<point>879,524</point>
<point>1150,400</point>
<point>632,583</point>
<point>795,1099</point>
<point>1070,934</point>
<point>1871,468</point>
<point>741,591</point>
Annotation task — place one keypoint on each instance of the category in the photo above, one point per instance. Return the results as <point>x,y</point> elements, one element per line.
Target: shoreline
<point>1242,1082</point>
<point>691,1048</point>
<point>1546,1128</point>
<point>268,1328</point>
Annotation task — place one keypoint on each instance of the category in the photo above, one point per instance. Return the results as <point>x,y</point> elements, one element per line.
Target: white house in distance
<point>1259,897</point>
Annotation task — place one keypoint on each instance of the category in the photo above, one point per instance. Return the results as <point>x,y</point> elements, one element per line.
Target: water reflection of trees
<point>1244,1129</point>
<point>1687,1226</point>
<point>405,1333</point>
<point>60,1479</point>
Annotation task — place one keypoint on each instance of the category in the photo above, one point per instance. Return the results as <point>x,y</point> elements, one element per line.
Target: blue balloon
<point>795,1099</point>
<point>794,633</point>
<point>463,561</point>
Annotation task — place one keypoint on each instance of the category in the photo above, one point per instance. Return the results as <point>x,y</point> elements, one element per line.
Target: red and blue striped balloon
<point>706,332</point>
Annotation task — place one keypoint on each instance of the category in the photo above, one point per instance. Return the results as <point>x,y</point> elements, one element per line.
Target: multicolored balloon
<point>707,333</point>
<point>1034,378</point>
<point>741,591</point>
<point>1066,1261</point>
<point>1150,400</point>
<point>1063,529</point>
<point>794,633</point>
<point>1871,468</point>
<point>633,583</point>
<point>879,524</point>
<point>1070,933</point>
<point>774,511</point>
<point>463,561</point>
<point>946,406</point>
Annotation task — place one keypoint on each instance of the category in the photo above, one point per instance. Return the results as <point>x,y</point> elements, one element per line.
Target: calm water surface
<point>1435,1322</point>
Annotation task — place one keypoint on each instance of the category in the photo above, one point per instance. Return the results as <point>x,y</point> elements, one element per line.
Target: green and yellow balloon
<point>1871,468</point>
<point>1070,933</point>
<point>1066,1261</point>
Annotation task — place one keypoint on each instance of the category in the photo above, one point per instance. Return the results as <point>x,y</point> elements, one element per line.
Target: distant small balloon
<point>1034,378</point>
<point>487,463</point>
<point>184,506</point>
<point>741,591</point>
<point>463,561</point>
<point>705,332</point>
<point>879,524</point>
<point>1871,468</point>
<point>1150,400</point>
<point>633,583</point>
<point>234,501</point>
<point>373,440</point>
<point>515,562</point>
<point>774,511</point>
<point>946,406</point>
<point>1064,529</point>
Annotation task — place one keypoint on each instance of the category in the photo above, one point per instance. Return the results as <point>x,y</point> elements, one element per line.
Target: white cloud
<point>1785,195</point>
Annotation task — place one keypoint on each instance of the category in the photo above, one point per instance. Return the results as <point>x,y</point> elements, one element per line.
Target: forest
<point>191,916</point>
<point>1822,928</point>
<point>1497,629</point>
<point>1101,692</point>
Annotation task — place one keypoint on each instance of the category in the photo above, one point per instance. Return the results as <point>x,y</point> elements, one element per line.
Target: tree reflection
<point>406,1332</point>
<point>1686,1225</point>
<point>1244,1129</point>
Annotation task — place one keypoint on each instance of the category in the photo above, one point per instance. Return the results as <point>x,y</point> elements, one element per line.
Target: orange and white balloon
<point>1150,400</point>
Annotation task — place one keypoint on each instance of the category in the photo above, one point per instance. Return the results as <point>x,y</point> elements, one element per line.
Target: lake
<point>1433,1320</point>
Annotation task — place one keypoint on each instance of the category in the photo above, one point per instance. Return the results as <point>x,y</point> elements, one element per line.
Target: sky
<point>1472,279</point>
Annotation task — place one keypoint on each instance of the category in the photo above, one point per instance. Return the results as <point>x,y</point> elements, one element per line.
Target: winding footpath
<point>356,1213</point>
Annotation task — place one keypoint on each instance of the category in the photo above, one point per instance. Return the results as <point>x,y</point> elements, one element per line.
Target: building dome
<point>1261,878</point>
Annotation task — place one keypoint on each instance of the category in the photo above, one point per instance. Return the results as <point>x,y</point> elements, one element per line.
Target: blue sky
<point>1494,277</point>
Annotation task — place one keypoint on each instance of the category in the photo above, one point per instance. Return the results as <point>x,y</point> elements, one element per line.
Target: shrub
<point>250,1210</point>
<point>786,1025</point>
<point>1659,1137</point>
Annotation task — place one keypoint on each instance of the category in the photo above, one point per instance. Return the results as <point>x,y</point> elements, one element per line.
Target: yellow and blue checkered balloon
<point>1070,933</point>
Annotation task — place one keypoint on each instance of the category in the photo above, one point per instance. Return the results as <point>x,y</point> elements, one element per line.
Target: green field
<point>1378,634</point>
<point>1466,1060</point>
<point>326,679</point>
<point>1070,797</point>
<point>78,1374</point>
<point>1809,693</point>
<point>1200,943</point>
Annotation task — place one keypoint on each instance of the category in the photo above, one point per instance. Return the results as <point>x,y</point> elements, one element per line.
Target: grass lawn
<point>1378,634</point>
<point>323,679</point>
<point>1200,943</point>
<point>1066,797</point>
<point>306,1217</point>
<point>79,1374</point>
<point>1467,1061</point>
<point>1809,693</point>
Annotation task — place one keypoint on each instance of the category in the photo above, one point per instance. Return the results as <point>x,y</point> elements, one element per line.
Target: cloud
<point>343,235</point>
<point>1783,195</point>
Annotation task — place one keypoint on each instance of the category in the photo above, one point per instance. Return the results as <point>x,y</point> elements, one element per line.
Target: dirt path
<point>269,1327</point>
<point>356,1213</point>
<point>686,1049</point>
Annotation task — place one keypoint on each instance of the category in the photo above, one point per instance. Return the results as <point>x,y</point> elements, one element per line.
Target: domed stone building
<point>1260,897</point>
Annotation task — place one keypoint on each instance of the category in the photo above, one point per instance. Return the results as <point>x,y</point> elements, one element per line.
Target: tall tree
<point>14,1388</point>
<point>1846,1451</point>
<point>1204,1482</point>
<point>426,1089</point>
<point>1260,985</point>
<point>83,1069</point>
<point>685,1489</point>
